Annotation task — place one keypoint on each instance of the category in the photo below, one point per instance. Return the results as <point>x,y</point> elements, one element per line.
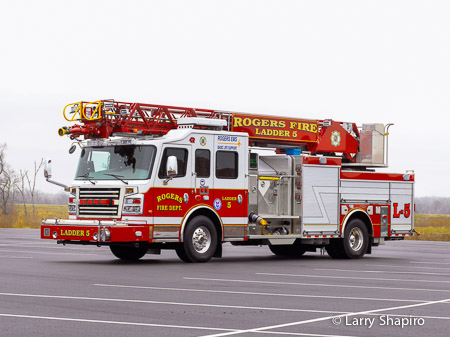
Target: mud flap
<point>218,252</point>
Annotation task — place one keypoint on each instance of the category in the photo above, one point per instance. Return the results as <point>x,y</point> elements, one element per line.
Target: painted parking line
<point>314,320</point>
<point>406,266</point>
<point>381,271</point>
<point>431,262</point>
<point>261,293</point>
<point>16,257</point>
<point>48,253</point>
<point>169,303</point>
<point>316,284</point>
<point>155,325</point>
<point>117,322</point>
<point>46,246</point>
<point>353,278</point>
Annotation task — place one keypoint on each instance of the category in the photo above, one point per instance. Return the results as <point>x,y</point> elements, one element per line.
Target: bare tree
<point>7,181</point>
<point>32,183</point>
<point>2,157</point>
<point>20,186</point>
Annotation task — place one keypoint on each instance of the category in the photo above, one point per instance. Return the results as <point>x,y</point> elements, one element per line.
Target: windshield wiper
<point>86,176</point>
<point>117,176</point>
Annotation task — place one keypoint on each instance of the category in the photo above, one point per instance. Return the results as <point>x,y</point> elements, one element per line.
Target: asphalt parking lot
<point>402,289</point>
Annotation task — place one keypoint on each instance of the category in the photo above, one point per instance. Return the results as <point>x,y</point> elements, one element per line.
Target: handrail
<point>78,110</point>
<point>94,111</point>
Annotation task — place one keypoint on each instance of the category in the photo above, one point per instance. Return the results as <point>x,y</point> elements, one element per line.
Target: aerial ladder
<point>108,118</point>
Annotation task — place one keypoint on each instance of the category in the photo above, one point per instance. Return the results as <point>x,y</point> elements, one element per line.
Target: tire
<point>200,240</point>
<point>287,250</point>
<point>128,253</point>
<point>336,249</point>
<point>356,239</point>
<point>182,254</point>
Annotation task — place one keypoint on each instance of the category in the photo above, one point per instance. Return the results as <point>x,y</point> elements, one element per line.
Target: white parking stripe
<point>162,325</point>
<point>37,252</point>
<point>353,278</point>
<point>429,262</point>
<point>382,271</point>
<point>406,266</point>
<point>314,320</point>
<point>118,322</point>
<point>16,257</point>
<point>262,294</point>
<point>52,246</point>
<point>315,284</point>
<point>170,303</point>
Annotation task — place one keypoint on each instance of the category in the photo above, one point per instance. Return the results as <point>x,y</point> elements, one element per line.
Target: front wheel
<point>200,240</point>
<point>128,253</point>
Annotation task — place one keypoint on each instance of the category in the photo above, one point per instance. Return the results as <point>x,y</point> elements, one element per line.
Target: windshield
<point>116,162</point>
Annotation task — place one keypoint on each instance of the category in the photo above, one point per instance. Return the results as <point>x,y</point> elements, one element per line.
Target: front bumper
<point>94,231</point>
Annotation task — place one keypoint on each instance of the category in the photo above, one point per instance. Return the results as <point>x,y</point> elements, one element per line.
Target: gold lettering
<point>247,122</point>
<point>237,121</point>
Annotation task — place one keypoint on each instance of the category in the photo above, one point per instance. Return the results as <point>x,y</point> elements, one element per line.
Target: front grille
<point>99,202</point>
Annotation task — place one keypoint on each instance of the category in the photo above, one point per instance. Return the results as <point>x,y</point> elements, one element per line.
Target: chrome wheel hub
<point>356,239</point>
<point>201,239</point>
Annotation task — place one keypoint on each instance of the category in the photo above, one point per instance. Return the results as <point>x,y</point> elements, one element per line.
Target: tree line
<point>19,188</point>
<point>432,205</point>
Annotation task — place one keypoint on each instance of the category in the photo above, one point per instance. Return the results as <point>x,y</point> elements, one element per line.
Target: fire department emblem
<point>217,204</point>
<point>335,138</point>
<point>202,141</point>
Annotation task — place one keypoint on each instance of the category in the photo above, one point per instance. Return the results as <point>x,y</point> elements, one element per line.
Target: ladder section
<point>105,118</point>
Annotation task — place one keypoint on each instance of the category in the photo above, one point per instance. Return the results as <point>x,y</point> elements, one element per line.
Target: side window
<point>202,163</point>
<point>226,165</point>
<point>182,159</point>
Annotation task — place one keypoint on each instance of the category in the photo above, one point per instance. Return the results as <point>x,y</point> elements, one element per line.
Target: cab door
<point>172,194</point>
<point>231,183</point>
<point>202,165</point>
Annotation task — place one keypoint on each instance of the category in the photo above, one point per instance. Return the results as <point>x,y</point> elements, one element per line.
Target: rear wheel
<point>200,240</point>
<point>354,244</point>
<point>287,250</point>
<point>356,239</point>
<point>128,253</point>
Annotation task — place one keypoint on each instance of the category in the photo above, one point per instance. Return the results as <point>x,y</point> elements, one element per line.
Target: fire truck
<point>154,177</point>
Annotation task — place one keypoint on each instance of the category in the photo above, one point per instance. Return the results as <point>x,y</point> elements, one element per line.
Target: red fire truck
<point>153,177</point>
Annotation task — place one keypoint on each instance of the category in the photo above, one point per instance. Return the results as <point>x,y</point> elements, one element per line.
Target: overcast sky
<point>356,61</point>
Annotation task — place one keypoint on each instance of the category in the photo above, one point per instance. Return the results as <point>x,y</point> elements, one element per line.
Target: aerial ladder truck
<point>154,177</point>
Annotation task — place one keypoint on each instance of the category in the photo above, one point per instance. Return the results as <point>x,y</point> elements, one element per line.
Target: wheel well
<point>211,215</point>
<point>364,218</point>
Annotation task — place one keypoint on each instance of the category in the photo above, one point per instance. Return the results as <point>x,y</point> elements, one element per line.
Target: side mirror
<point>48,169</point>
<point>72,149</point>
<point>172,166</point>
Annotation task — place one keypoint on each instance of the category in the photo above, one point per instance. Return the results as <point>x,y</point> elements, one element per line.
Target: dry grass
<point>17,218</point>
<point>432,227</point>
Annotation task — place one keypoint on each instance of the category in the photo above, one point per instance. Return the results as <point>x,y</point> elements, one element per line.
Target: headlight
<point>133,205</point>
